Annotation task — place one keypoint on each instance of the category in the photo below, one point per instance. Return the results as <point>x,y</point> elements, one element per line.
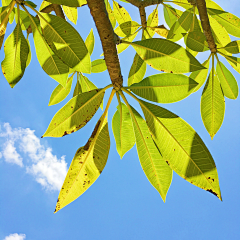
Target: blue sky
<point>121,204</point>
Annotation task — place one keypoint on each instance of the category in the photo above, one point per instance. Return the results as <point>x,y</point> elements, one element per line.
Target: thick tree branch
<point>202,9</point>
<point>58,10</point>
<point>108,39</point>
<point>144,3</point>
<point>143,16</point>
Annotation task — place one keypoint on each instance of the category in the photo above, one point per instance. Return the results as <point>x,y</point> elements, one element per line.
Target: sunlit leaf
<point>182,25</point>
<point>228,82</point>
<point>24,19</point>
<point>234,62</point>
<point>123,130</point>
<point>49,62</point>
<point>164,88</point>
<point>123,46</point>
<point>200,76</point>
<point>87,165</point>
<point>182,148</point>
<point>154,165</point>
<point>29,54</point>
<point>60,92</point>
<point>152,21</point>
<point>167,56</point>
<point>229,21</point>
<point>71,13</point>
<point>90,42</point>
<point>171,14</point>
<point>137,71</point>
<point>196,41</point>
<point>75,114</point>
<point>66,42</point>
<point>44,4</point>
<point>16,51</point>
<point>120,13</point>
<point>110,13</point>
<point>70,3</point>
<point>161,30</point>
<point>98,65</point>
<point>212,105</point>
<point>126,28</point>
<point>233,47</point>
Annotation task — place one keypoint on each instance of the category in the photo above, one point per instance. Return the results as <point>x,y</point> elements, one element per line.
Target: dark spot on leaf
<point>211,191</point>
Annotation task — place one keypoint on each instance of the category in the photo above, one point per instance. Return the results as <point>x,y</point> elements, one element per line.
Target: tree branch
<point>202,9</point>
<point>143,17</point>
<point>108,39</point>
<point>144,3</point>
<point>58,10</point>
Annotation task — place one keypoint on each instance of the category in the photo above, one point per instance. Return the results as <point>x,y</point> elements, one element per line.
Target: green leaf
<point>77,89</point>
<point>152,21</point>
<point>123,130</point>
<point>182,25</point>
<point>212,105</point>
<point>127,28</point>
<point>60,93</point>
<point>29,54</point>
<point>24,19</point>
<point>182,147</point>
<point>137,71</point>
<point>49,62</point>
<point>90,42</point>
<point>167,56</point>
<point>16,51</point>
<point>171,14</point>
<point>31,4</point>
<point>120,13</point>
<point>229,21</point>
<point>196,41</point>
<point>70,3</point>
<point>71,13</point>
<point>164,88</point>
<point>66,42</point>
<point>98,65</point>
<point>234,62</point>
<point>200,76</point>
<point>44,4</point>
<point>228,82</point>
<point>233,47</point>
<point>75,114</point>
<point>110,14</point>
<point>161,30</point>
<point>154,165</point>
<point>87,165</point>
<point>123,46</point>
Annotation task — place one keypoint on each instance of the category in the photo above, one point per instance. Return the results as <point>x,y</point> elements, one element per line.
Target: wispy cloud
<point>21,144</point>
<point>15,236</point>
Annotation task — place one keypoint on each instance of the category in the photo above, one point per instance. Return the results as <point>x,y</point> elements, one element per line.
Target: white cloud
<point>47,169</point>
<point>15,236</point>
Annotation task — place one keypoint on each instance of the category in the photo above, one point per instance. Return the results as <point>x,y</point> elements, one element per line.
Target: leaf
<point>161,30</point>
<point>212,105</point>
<point>49,62</point>
<point>137,71</point>
<point>120,13</point>
<point>70,3</point>
<point>228,82</point>
<point>110,14</point>
<point>233,47</point>
<point>182,25</point>
<point>87,165</point>
<point>44,4</point>
<point>16,51</point>
<point>75,114</point>
<point>234,62</point>
<point>29,54</point>
<point>127,28</point>
<point>24,19</point>
<point>123,46</point>
<point>60,92</point>
<point>171,14</point>
<point>200,76</point>
<point>77,89</point>
<point>164,88</point>
<point>31,4</point>
<point>66,42</point>
<point>71,13</point>
<point>152,21</point>
<point>90,42</point>
<point>154,165</point>
<point>98,65</point>
<point>182,148</point>
<point>123,130</point>
<point>196,41</point>
<point>229,21</point>
<point>167,56</point>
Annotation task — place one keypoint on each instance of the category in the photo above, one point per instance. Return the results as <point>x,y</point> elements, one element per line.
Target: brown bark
<point>202,9</point>
<point>58,10</point>
<point>143,16</point>
<point>108,39</point>
<point>145,3</point>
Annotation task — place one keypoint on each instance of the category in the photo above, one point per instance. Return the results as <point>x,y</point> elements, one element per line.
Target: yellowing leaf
<point>90,42</point>
<point>120,13</point>
<point>127,28</point>
<point>70,3</point>
<point>87,165</point>
<point>71,13</point>
<point>152,21</point>
<point>161,30</point>
<point>99,65</point>
<point>75,114</point>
